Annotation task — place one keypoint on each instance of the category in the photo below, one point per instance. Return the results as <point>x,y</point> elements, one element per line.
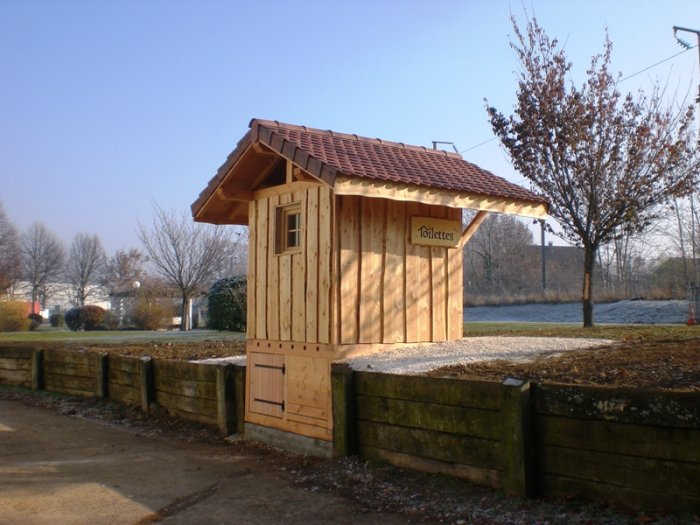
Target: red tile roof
<point>326,154</point>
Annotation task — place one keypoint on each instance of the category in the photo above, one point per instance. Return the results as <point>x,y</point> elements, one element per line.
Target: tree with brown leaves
<point>606,161</point>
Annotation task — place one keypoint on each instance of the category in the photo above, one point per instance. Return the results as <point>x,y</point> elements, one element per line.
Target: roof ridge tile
<point>354,136</point>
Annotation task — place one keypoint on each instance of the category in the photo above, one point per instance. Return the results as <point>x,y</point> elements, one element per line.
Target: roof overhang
<point>411,193</point>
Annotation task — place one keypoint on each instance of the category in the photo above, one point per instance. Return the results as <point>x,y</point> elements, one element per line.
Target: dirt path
<point>56,469</point>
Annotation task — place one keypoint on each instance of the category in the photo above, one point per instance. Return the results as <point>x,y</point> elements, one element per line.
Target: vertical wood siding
<point>391,291</point>
<point>289,294</point>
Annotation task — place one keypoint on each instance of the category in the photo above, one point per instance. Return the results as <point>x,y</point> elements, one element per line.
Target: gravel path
<point>417,360</point>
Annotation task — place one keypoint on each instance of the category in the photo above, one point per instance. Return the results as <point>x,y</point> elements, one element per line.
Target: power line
<point>480,144</point>
<point>658,63</point>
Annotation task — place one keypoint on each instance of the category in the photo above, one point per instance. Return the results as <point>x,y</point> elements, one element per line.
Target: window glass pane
<point>293,239</point>
<point>293,221</point>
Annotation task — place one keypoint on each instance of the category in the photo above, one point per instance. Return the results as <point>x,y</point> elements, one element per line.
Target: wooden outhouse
<point>355,246</point>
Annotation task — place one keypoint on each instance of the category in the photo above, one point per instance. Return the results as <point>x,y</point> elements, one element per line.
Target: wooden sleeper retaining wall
<point>206,393</point>
<point>16,366</point>
<point>631,447</point>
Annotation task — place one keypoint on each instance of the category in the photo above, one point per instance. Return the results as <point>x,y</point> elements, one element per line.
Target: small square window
<point>288,228</point>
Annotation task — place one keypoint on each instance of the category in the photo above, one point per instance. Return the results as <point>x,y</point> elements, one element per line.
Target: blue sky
<point>107,107</point>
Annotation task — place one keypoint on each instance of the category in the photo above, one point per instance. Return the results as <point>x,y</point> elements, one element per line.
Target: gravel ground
<point>421,359</point>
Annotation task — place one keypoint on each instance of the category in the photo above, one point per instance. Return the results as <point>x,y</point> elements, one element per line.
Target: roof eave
<point>346,185</point>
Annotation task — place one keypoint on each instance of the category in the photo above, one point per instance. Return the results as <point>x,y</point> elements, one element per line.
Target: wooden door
<point>267,384</point>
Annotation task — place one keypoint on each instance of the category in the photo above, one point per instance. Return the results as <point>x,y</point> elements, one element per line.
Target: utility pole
<point>694,290</point>
<point>544,274</point>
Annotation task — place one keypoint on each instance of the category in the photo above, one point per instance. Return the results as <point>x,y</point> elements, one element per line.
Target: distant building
<point>59,297</point>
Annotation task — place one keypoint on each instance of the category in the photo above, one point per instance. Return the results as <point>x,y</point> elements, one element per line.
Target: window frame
<point>283,229</point>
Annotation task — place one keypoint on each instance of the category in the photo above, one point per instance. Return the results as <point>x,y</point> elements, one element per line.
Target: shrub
<point>87,318</point>
<point>36,317</point>
<point>72,319</point>
<point>227,304</point>
<point>149,314</point>
<point>92,317</point>
<point>57,320</point>
<point>111,321</point>
<point>13,316</point>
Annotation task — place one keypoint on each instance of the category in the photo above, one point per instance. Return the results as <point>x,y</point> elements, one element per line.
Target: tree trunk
<point>587,299</point>
<point>185,314</point>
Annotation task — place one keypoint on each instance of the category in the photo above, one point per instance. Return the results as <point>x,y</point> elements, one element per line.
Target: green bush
<point>36,317</point>
<point>86,318</point>
<point>72,319</point>
<point>13,316</point>
<point>57,320</point>
<point>227,304</point>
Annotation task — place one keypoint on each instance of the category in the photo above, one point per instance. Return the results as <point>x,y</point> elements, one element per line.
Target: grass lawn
<point>615,332</point>
<point>48,334</point>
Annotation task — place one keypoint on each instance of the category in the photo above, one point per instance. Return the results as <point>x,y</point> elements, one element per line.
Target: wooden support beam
<point>470,230</point>
<point>301,175</point>
<point>261,148</point>
<point>226,194</point>
<point>289,171</point>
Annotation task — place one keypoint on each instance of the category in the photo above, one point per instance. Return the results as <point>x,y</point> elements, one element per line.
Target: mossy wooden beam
<point>518,453</point>
<point>342,400</point>
<point>146,383</point>
<point>101,376</point>
<point>225,407</point>
<point>38,370</point>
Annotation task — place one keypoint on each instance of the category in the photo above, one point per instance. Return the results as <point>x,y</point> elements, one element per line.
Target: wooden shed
<point>355,246</point>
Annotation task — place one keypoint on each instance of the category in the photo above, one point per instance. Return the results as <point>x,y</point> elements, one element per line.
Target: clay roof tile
<point>380,160</point>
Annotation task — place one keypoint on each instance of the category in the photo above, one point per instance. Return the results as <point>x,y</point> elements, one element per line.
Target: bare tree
<point>124,269</point>
<point>606,162</point>
<point>10,260</point>
<point>42,260</point>
<point>494,257</point>
<point>185,254</point>
<point>85,266</point>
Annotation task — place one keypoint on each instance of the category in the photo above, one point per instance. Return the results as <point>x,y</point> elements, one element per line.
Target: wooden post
<point>239,375</point>
<point>102,379</point>
<point>147,386</point>
<point>518,455</point>
<point>38,370</point>
<point>342,400</point>
<point>225,408</point>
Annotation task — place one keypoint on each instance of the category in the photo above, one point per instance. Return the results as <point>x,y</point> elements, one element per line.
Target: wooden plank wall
<point>289,295</point>
<point>632,447</point>
<point>16,367</point>
<point>391,291</point>
<point>186,390</point>
<point>439,425</point>
<point>124,380</point>
<point>71,372</point>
